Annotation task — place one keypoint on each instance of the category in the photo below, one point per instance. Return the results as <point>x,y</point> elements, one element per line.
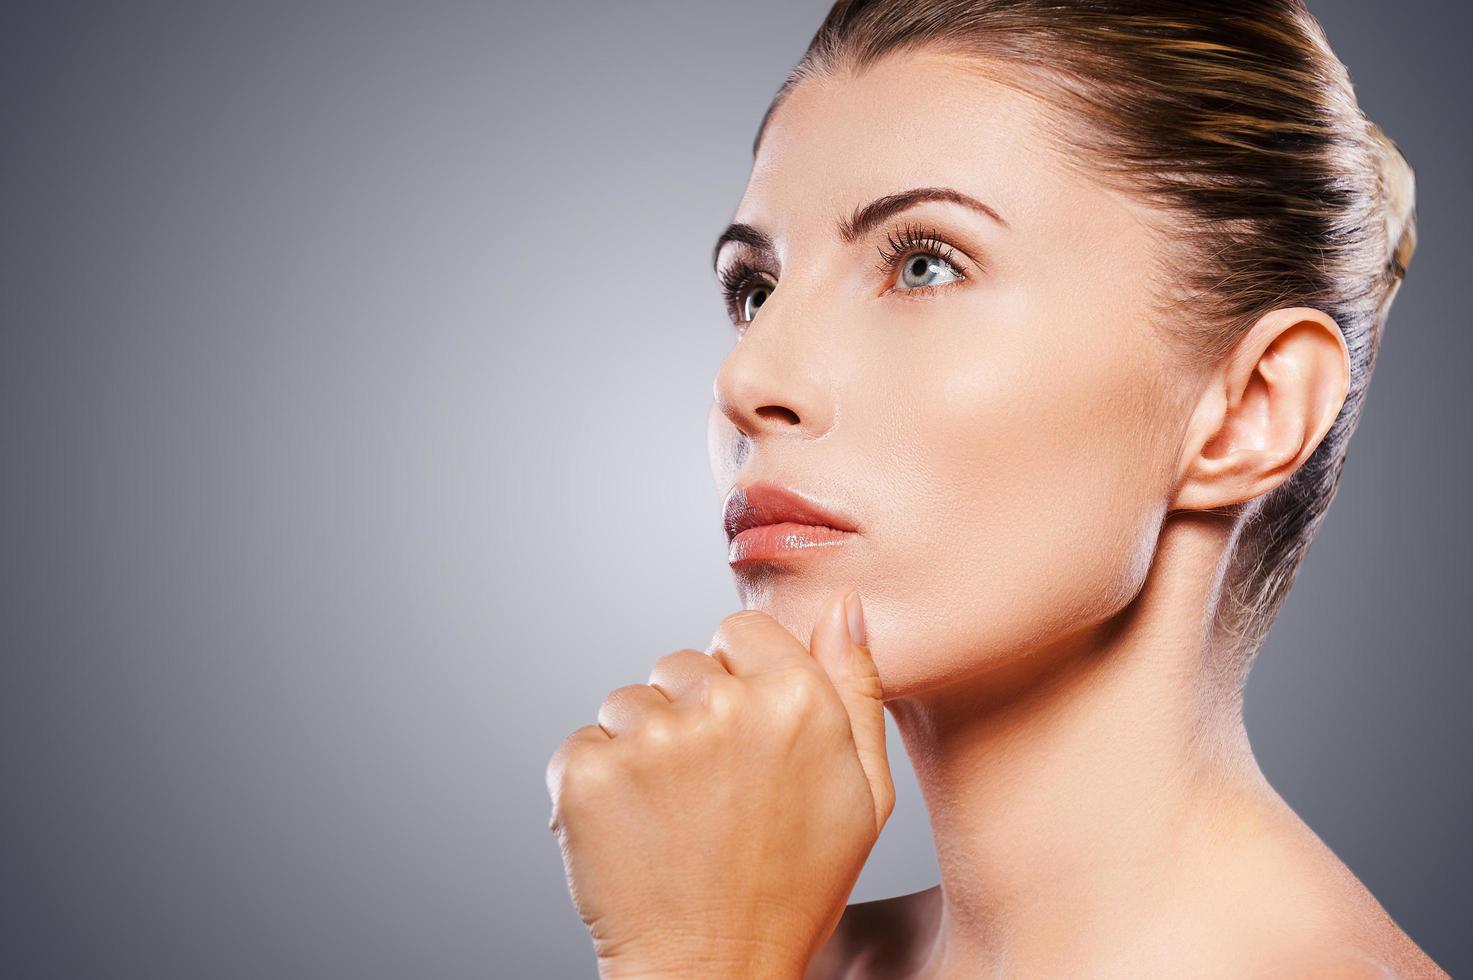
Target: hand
<point>714,821</point>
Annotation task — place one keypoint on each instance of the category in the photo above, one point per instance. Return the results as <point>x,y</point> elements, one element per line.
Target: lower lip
<point>768,541</point>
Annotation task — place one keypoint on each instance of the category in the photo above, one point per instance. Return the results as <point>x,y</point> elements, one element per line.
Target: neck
<point>1065,786</point>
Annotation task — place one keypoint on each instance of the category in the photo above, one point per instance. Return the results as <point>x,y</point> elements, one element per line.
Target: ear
<point>1264,409</point>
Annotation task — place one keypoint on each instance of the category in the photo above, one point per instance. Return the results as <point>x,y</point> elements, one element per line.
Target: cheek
<point>1029,506</point>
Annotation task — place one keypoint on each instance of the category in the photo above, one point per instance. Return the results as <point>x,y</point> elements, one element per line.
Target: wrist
<point>702,969</point>
<point>708,964</point>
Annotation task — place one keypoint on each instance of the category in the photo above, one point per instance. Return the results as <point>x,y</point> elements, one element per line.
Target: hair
<point>1239,125</point>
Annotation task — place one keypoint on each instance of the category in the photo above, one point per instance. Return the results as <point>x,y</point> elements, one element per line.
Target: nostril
<point>777,411</point>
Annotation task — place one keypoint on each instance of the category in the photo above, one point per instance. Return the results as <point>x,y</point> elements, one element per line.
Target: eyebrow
<point>864,218</point>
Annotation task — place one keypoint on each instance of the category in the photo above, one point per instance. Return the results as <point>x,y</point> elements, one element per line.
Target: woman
<point>1053,321</point>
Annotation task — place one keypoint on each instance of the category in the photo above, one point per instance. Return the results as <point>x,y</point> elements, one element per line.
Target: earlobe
<point>1264,410</point>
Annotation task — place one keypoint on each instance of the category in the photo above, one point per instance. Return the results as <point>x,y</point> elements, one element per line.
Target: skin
<point>1033,468</point>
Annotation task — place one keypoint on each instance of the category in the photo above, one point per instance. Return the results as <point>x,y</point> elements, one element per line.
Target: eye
<point>745,288</point>
<point>925,262</point>
<point>752,300</point>
<point>927,270</point>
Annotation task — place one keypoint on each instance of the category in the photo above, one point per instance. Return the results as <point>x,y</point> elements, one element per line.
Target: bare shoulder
<point>1286,895</point>
<point>1361,961</point>
<point>1364,943</point>
<point>882,938</point>
<point>1332,927</point>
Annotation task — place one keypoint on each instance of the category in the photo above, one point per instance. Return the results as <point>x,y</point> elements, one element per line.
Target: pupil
<point>758,298</point>
<point>918,267</point>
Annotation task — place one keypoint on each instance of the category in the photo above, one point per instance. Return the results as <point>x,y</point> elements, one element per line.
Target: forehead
<point>922,119</point>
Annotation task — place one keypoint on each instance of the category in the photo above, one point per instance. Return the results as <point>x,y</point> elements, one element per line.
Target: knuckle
<point>623,705</point>
<point>805,688</point>
<point>576,767</point>
<point>567,750</point>
<point>658,728</point>
<point>747,617</point>
<point>664,664</point>
<point>671,664</point>
<point>678,657</point>
<point>620,695</point>
<point>744,622</point>
<point>721,693</point>
<point>584,778</point>
<point>785,695</point>
<point>807,702</point>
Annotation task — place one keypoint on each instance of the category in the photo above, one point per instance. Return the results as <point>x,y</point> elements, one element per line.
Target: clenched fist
<point>714,821</point>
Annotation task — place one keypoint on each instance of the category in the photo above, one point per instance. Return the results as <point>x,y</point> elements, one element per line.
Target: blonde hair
<point>1238,122</point>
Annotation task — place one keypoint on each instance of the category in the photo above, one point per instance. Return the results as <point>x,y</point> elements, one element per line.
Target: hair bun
<point>1398,204</point>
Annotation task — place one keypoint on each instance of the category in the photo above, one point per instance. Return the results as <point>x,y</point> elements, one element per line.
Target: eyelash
<point>911,240</point>
<point>735,278</point>
<point>901,244</point>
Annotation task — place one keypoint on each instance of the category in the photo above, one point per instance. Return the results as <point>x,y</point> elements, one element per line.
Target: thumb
<point>840,645</point>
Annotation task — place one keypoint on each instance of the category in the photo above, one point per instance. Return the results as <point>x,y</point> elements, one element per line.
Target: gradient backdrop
<point>352,352</point>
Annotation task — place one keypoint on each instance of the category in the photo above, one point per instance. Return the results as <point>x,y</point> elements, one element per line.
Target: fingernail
<point>855,613</point>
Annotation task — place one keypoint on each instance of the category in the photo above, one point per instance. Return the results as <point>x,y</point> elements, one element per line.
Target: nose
<point>772,383</point>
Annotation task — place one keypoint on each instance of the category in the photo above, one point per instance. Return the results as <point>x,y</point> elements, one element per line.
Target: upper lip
<point>768,503</point>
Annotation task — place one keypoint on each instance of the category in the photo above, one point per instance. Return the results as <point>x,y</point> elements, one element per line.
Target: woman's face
<point>995,412</point>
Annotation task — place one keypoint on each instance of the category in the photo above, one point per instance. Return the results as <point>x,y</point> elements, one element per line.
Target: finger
<point>682,673</point>
<point>751,642</point>
<point>857,679</point>
<point>624,705</point>
<point>581,739</point>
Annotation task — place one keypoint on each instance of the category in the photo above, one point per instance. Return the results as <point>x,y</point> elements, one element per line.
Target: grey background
<point>350,355</point>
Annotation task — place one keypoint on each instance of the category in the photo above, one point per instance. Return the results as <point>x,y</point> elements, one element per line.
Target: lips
<point>766,521</point>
